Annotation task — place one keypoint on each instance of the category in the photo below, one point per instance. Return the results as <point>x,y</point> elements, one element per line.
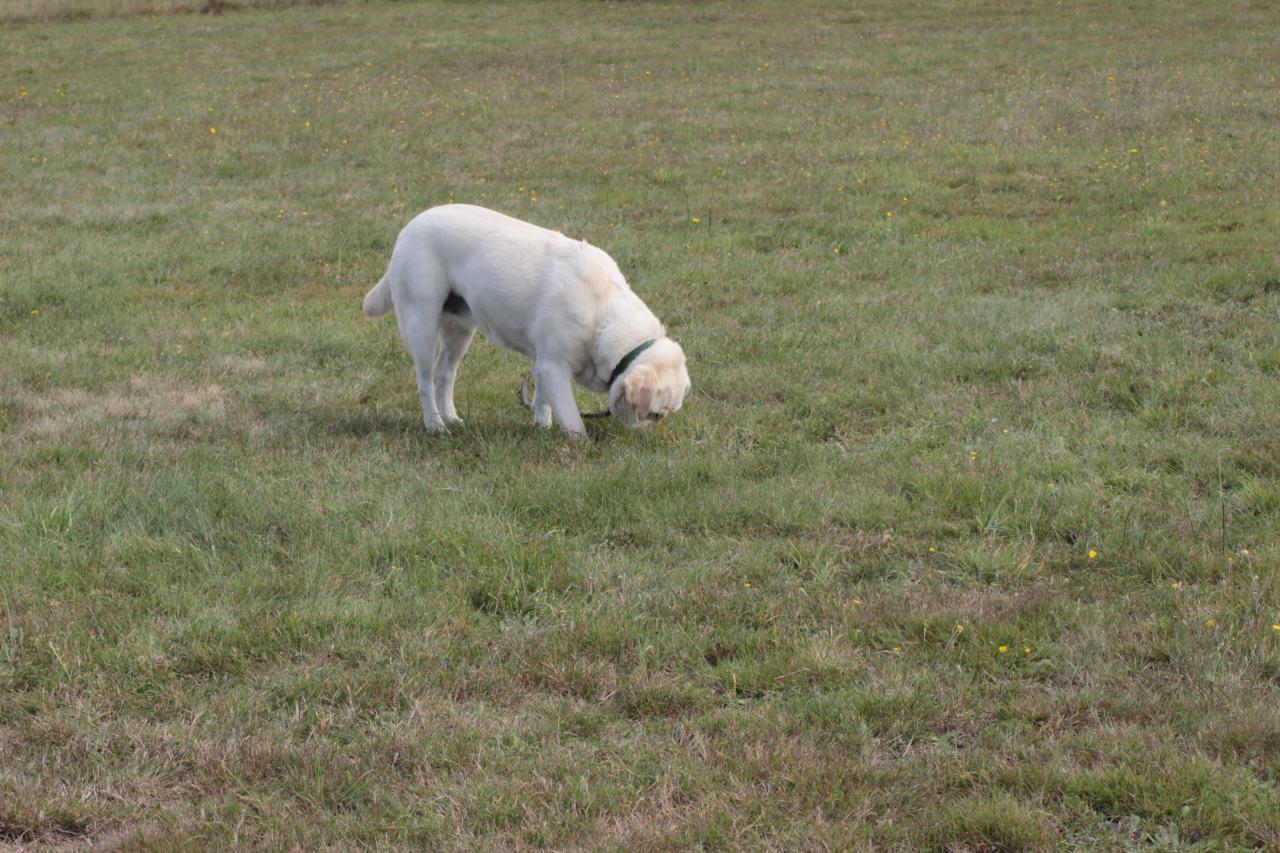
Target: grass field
<point>966,539</point>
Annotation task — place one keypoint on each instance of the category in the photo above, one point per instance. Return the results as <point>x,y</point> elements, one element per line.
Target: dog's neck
<point>625,323</point>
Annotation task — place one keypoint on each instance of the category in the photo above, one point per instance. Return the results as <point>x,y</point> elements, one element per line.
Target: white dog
<point>561,302</point>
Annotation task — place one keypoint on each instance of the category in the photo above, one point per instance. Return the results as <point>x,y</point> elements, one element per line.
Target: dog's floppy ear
<point>640,385</point>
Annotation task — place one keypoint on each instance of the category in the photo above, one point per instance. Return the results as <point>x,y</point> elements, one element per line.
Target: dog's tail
<point>378,301</point>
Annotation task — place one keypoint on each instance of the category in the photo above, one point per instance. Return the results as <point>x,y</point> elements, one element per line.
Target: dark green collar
<point>628,358</point>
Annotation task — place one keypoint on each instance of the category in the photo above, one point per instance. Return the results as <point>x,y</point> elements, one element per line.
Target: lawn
<point>965,540</point>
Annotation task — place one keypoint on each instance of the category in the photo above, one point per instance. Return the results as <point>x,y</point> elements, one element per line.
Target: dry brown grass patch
<point>140,406</point>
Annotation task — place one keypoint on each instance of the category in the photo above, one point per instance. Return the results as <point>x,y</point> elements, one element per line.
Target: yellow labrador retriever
<point>561,302</point>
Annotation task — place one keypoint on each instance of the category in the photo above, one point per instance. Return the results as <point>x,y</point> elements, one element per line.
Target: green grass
<point>981,307</point>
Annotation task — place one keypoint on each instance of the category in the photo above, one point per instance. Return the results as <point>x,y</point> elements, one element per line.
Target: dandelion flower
<point>1093,555</point>
<point>857,602</point>
<point>1176,584</point>
<point>1026,650</point>
<point>1210,623</point>
<point>213,131</point>
<point>1002,649</point>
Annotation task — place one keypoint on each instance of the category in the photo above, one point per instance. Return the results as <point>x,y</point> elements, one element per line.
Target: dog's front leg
<point>541,408</point>
<point>555,389</point>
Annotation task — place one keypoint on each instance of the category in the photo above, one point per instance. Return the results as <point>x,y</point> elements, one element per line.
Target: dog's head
<point>652,387</point>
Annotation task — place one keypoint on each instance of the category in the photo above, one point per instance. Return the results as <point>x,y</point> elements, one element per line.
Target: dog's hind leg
<point>418,307</point>
<point>455,337</point>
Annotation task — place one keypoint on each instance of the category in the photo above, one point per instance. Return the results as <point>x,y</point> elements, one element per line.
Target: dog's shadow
<point>366,421</point>
<point>361,421</point>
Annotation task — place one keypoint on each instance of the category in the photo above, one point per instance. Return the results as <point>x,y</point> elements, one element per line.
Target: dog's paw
<point>436,426</point>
